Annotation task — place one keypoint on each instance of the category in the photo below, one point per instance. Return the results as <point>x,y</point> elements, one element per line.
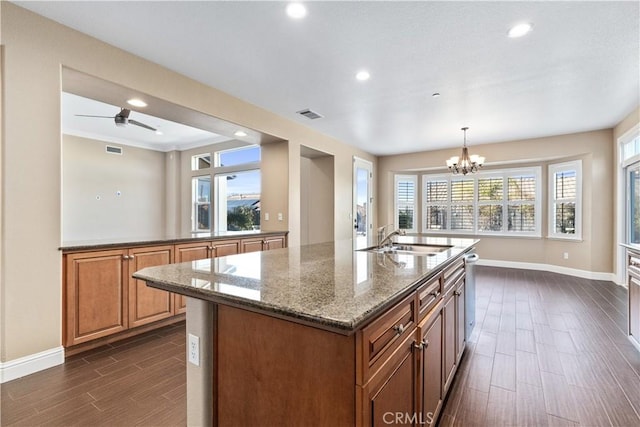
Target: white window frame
<point>218,207</point>
<point>574,165</point>
<point>414,179</point>
<point>505,174</point>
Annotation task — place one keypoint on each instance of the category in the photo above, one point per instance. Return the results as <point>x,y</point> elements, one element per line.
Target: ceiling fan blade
<point>124,112</point>
<point>100,117</point>
<point>142,125</point>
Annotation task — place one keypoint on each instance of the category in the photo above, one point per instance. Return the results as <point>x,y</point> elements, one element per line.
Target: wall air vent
<point>111,149</point>
<point>309,114</point>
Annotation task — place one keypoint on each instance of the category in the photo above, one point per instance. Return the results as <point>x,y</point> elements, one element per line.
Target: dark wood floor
<point>548,350</point>
<point>138,381</point>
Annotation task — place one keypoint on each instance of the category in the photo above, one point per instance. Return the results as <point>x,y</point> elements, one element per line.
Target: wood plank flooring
<point>548,350</point>
<point>140,381</point>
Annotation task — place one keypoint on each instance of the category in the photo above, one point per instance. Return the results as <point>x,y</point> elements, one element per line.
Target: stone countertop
<point>328,285</point>
<point>88,245</point>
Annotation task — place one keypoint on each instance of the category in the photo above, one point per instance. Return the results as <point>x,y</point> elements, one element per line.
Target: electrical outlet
<point>279,216</point>
<point>194,349</point>
<point>566,255</point>
<point>266,216</point>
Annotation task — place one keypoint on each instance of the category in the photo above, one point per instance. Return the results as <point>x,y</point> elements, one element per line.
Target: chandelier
<point>465,163</point>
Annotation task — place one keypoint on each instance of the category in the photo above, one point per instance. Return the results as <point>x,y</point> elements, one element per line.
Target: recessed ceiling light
<point>436,95</point>
<point>240,133</point>
<point>296,10</point>
<point>520,30</point>
<point>363,75</point>
<point>158,132</point>
<point>136,102</point>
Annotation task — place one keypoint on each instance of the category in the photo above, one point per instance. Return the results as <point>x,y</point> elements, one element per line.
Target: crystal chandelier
<point>465,163</point>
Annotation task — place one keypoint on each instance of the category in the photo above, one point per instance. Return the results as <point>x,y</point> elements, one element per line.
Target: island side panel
<point>283,373</point>
<point>200,379</point>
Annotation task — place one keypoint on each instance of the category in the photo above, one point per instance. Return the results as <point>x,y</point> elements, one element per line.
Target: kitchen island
<point>321,334</point>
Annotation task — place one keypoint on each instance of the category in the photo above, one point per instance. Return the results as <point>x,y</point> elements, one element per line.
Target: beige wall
<point>316,199</point>
<point>89,172</point>
<point>35,50</point>
<point>592,254</point>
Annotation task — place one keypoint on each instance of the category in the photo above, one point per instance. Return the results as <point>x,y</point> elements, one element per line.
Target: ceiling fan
<point>122,119</point>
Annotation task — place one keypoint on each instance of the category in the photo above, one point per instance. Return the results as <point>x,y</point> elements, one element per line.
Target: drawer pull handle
<point>421,345</point>
<point>457,293</point>
<point>435,294</point>
<point>399,329</point>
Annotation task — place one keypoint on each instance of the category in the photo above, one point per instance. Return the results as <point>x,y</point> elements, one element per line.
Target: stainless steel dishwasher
<point>470,261</point>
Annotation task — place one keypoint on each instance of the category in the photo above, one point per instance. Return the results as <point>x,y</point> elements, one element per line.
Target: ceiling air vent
<point>309,114</point>
<point>111,149</point>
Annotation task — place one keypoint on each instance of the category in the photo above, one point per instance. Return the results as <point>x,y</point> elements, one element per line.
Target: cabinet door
<point>275,242</point>
<point>225,247</point>
<point>634,308</point>
<point>251,245</point>
<point>431,373</point>
<point>96,295</point>
<point>184,253</point>
<point>392,393</point>
<point>147,304</point>
<point>449,339</point>
<point>460,319</point>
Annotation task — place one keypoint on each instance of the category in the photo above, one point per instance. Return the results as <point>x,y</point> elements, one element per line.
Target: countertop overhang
<point>327,285</point>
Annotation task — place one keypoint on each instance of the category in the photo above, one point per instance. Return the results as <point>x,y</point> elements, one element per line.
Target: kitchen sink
<point>409,248</point>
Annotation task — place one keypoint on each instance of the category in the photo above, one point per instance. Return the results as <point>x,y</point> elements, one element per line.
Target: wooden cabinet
<point>95,295</point>
<point>393,389</point>
<point>263,243</point>
<point>430,358</point>
<point>186,252</point>
<point>459,295</point>
<point>449,320</point>
<point>100,297</point>
<point>633,268</point>
<point>147,304</point>
<point>409,355</point>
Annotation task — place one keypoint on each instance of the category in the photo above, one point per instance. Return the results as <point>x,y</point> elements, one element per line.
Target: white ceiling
<point>175,136</point>
<point>578,70</point>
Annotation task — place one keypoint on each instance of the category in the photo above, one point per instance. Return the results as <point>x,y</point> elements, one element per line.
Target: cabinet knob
<point>131,257</point>
<point>457,293</point>
<point>425,343</point>
<point>399,329</point>
<point>434,294</point>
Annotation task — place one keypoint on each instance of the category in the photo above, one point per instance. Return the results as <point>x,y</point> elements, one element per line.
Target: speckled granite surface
<point>328,284</point>
<point>164,240</point>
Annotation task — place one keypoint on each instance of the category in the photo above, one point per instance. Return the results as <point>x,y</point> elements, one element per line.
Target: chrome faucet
<point>386,240</point>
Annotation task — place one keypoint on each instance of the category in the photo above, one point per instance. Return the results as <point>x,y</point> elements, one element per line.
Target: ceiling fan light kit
<point>465,164</point>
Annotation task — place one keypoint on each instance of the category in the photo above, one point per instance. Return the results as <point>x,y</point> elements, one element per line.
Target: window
<point>405,207</point>
<point>630,153</point>
<point>235,193</point>
<point>565,188</point>
<point>201,196</point>
<point>500,202</point>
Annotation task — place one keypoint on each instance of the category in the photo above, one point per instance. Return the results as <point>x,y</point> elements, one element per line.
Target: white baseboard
<point>593,275</point>
<point>30,364</point>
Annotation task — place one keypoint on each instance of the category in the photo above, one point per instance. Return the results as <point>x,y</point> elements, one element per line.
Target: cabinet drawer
<point>452,273</point>
<point>428,296</point>
<point>383,336</point>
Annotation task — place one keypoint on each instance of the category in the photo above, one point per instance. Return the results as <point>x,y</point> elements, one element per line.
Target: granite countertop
<point>161,240</point>
<point>327,284</point>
